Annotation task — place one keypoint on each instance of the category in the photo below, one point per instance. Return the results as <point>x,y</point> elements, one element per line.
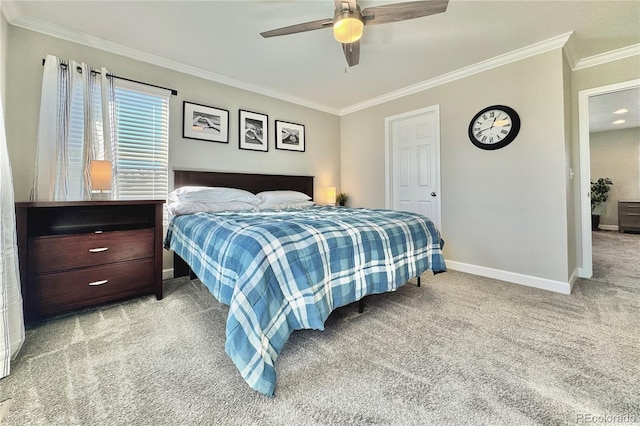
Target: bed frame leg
<point>181,269</point>
<point>361,306</point>
<point>418,281</point>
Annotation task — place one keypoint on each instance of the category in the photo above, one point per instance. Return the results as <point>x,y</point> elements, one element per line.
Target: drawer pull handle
<point>97,232</point>
<point>633,214</point>
<point>99,282</point>
<point>99,249</point>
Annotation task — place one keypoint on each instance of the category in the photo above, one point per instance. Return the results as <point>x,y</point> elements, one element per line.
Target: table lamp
<point>100,176</point>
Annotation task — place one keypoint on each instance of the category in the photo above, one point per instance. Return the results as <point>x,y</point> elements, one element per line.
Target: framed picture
<point>205,123</point>
<point>254,131</point>
<point>289,136</point>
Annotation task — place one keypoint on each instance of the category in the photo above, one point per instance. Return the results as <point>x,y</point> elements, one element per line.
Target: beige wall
<point>616,155</point>
<point>24,55</point>
<point>602,75</point>
<point>4,27</point>
<point>572,237</point>
<point>26,49</point>
<point>503,209</point>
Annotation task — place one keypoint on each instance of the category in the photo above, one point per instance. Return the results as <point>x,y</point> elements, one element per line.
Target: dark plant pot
<point>595,222</point>
<point>341,203</point>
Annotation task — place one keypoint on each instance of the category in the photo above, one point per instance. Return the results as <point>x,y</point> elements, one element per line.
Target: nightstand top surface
<point>86,203</point>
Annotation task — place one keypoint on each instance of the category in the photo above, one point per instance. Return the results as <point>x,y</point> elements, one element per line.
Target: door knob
<point>433,194</point>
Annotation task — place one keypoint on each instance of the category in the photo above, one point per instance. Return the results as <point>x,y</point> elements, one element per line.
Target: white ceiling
<point>220,40</point>
<point>605,109</point>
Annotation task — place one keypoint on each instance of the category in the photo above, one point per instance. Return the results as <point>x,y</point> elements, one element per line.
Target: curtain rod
<point>173,92</point>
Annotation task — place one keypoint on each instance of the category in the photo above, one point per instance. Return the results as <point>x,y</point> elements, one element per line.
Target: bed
<point>281,270</point>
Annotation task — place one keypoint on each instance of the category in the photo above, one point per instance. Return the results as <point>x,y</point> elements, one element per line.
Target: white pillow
<point>284,205</point>
<point>178,208</point>
<point>212,194</point>
<point>282,196</point>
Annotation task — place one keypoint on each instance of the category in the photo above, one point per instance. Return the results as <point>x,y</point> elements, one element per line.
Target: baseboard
<point>513,277</point>
<point>609,227</point>
<point>582,273</point>
<point>572,279</point>
<point>167,273</point>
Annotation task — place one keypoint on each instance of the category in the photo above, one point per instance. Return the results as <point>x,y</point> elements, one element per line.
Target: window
<point>79,123</point>
<point>141,161</point>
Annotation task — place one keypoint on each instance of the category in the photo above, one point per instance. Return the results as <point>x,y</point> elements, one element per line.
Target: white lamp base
<point>99,196</point>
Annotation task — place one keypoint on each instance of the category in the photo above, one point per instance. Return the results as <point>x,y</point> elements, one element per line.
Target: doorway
<point>412,162</point>
<point>586,271</point>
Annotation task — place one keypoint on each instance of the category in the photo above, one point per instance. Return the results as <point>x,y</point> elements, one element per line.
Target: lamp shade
<point>331,195</point>
<point>348,27</point>
<point>100,175</point>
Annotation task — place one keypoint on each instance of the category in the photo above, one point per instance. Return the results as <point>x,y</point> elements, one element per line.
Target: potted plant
<point>599,195</point>
<point>342,198</point>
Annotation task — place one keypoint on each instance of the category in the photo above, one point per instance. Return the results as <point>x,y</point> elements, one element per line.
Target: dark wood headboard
<point>251,182</point>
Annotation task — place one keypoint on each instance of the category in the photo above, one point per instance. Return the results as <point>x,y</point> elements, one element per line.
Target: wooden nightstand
<point>629,216</point>
<point>78,254</point>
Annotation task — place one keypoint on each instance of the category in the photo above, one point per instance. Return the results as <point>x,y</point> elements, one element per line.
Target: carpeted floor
<point>459,350</point>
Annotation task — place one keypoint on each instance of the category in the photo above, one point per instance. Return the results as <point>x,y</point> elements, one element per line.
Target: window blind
<point>142,141</point>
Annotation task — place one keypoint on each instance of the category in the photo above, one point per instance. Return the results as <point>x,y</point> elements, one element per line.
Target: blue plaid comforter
<point>287,270</point>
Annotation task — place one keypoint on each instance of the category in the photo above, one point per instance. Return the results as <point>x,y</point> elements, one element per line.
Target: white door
<point>413,162</point>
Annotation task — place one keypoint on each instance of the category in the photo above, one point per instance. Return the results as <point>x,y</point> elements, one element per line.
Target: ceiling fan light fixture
<point>347,27</point>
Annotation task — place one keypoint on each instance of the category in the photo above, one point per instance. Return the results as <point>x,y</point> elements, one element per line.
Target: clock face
<point>494,127</point>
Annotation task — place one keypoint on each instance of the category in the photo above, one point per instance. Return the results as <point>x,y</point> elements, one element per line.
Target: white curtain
<point>109,137</point>
<point>11,319</point>
<point>76,126</point>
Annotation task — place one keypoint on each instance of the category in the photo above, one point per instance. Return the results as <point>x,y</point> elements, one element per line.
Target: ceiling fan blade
<point>299,28</point>
<point>402,11</point>
<point>352,52</point>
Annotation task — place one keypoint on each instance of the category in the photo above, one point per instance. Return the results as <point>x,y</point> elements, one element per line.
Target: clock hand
<point>488,128</point>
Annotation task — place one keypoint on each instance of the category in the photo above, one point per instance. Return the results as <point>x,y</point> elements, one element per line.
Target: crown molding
<point>9,10</point>
<point>570,52</point>
<point>65,33</point>
<point>603,58</point>
<point>13,16</point>
<point>498,61</point>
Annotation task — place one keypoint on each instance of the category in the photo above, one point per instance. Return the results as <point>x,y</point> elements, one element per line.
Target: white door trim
<point>388,197</point>
<point>586,270</point>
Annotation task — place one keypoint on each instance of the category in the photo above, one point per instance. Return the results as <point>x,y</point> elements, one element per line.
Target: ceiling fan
<point>349,20</point>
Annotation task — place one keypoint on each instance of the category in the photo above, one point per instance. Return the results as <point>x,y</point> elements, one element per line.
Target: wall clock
<point>494,127</point>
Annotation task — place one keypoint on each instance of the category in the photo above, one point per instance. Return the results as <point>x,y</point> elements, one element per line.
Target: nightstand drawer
<point>61,292</point>
<point>630,215</point>
<point>64,252</point>
<point>629,209</point>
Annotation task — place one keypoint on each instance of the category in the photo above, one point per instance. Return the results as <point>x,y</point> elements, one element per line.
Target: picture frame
<point>205,123</point>
<point>290,136</point>
<point>254,131</point>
